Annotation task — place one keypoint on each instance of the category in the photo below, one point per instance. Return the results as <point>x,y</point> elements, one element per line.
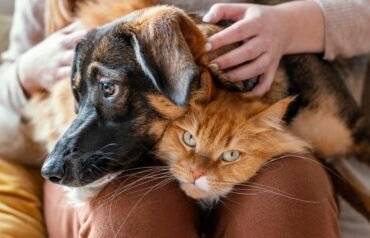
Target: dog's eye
<point>109,89</point>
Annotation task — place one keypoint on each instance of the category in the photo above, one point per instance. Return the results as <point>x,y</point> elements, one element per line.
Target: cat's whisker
<point>249,185</point>
<point>129,190</point>
<point>288,155</point>
<point>146,177</point>
<point>144,180</point>
<point>300,156</point>
<point>155,187</point>
<point>247,193</point>
<point>255,187</point>
<point>146,188</point>
<point>270,189</point>
<point>282,195</point>
<point>136,182</point>
<point>110,209</point>
<point>111,197</point>
<point>230,200</point>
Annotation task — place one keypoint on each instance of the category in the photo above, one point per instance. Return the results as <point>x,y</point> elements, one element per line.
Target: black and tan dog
<point>132,76</point>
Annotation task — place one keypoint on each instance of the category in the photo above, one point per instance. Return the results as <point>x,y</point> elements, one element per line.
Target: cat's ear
<point>274,114</point>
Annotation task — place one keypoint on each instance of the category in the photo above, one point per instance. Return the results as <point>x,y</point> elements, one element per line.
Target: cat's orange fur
<point>230,121</point>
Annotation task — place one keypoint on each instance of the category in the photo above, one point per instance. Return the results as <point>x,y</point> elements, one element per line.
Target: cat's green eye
<point>230,156</point>
<point>189,139</point>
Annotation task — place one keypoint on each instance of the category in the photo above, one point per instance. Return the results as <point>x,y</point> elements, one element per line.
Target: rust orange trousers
<point>292,197</point>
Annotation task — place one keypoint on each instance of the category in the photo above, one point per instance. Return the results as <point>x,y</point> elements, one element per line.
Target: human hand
<point>267,33</point>
<point>49,61</point>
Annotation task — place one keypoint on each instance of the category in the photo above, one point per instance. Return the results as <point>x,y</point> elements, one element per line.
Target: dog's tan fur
<point>50,114</point>
<point>49,120</point>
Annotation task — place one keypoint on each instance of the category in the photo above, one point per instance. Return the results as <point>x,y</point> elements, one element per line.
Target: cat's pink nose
<point>197,173</point>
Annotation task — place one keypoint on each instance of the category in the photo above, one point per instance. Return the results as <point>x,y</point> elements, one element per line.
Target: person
<point>33,63</point>
<point>297,198</point>
<point>30,63</point>
<point>269,33</point>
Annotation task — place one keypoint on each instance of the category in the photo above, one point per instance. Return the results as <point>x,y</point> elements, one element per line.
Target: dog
<point>123,101</point>
<point>132,76</point>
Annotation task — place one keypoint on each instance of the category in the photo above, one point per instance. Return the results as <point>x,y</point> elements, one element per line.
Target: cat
<point>223,142</point>
<point>324,113</point>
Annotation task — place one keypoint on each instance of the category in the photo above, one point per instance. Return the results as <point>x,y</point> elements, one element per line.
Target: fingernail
<point>208,47</point>
<point>207,17</point>
<point>214,66</point>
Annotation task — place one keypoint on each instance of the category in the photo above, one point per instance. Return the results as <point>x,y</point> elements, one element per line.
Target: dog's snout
<point>53,172</point>
<point>70,151</point>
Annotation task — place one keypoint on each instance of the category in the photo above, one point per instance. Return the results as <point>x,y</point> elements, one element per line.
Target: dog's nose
<point>53,173</point>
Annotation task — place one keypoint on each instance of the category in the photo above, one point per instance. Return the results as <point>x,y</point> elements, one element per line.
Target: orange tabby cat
<point>224,142</point>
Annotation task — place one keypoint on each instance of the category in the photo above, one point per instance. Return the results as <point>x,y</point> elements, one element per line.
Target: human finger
<point>74,26</point>
<point>241,30</point>
<point>220,11</point>
<point>250,50</point>
<point>71,40</point>
<point>249,70</point>
<point>266,81</point>
<point>63,72</point>
<point>67,58</point>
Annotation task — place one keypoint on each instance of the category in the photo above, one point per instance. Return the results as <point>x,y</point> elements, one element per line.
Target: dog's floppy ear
<point>168,46</point>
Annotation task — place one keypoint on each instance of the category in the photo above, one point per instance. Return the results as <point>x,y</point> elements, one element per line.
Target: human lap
<point>279,201</point>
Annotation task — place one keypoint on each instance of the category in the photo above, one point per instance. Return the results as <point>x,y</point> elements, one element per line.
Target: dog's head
<point>129,78</point>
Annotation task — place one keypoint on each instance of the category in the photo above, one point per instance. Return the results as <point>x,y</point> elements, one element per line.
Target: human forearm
<point>347,30</point>
<point>11,92</point>
<point>306,26</point>
<point>267,33</point>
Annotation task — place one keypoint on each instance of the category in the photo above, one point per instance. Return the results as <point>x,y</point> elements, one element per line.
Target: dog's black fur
<point>105,135</point>
<point>112,132</point>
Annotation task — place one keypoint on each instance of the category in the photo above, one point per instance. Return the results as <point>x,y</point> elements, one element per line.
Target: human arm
<point>289,28</point>
<point>31,62</point>
<point>22,37</point>
<point>347,27</point>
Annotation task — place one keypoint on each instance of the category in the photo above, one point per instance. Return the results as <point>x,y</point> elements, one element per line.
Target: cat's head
<point>218,145</point>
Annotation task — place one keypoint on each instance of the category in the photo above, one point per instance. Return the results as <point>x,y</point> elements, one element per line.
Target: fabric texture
<point>19,194</point>
<point>5,22</point>
<point>347,34</point>
<point>347,31</point>
<point>21,201</point>
<point>27,30</point>
<point>292,197</point>
<point>20,187</point>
